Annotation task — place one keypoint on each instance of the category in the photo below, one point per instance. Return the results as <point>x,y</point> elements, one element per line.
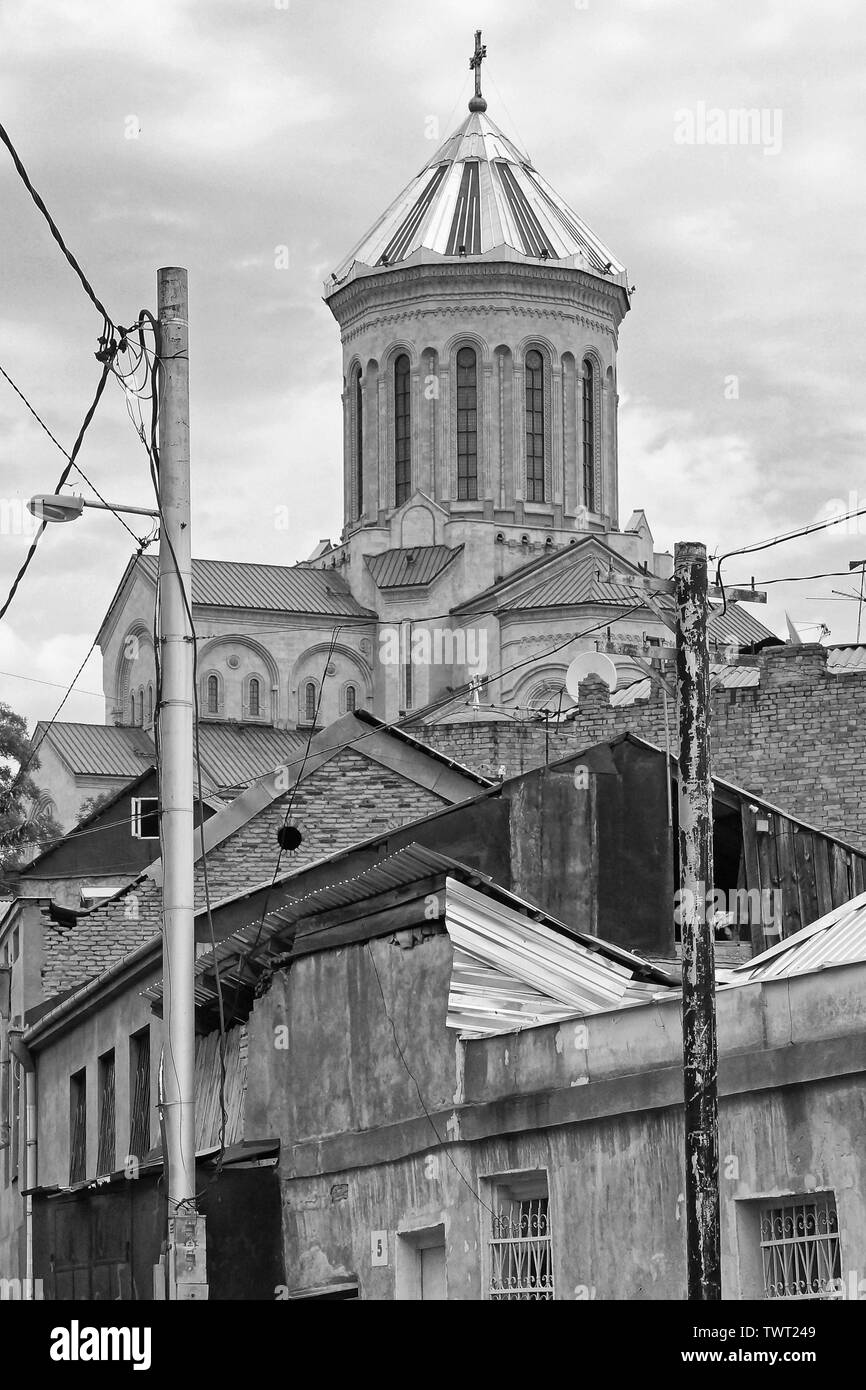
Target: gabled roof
<point>477,195</point>
<point>410,566</point>
<point>590,572</point>
<point>100,750</point>
<point>233,755</point>
<point>298,589</point>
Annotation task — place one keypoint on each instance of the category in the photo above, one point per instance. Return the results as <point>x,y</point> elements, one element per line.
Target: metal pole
<point>696,890</point>
<point>176,779</point>
<point>860,604</point>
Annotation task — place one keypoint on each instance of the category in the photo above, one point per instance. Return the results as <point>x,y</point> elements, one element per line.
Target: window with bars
<point>588,414</point>
<point>254,698</point>
<point>402,432</point>
<point>212,689</point>
<point>78,1126</point>
<point>534,426</point>
<point>467,425</point>
<point>139,1093</point>
<point>308,703</point>
<point>520,1249</point>
<point>359,443</point>
<point>800,1253</point>
<point>351,699</point>
<point>106,1148</point>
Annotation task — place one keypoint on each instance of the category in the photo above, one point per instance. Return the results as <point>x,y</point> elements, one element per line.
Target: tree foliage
<point>22,822</point>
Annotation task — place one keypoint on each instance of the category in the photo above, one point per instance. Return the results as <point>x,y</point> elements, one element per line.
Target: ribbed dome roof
<point>479,196</point>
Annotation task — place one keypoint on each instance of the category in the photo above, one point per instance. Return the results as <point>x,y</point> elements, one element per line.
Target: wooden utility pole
<point>185,1250</point>
<point>700,1058</point>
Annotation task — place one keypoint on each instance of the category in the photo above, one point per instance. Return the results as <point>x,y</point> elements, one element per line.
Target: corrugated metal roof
<point>839,938</point>
<point>479,193</point>
<point>235,754</point>
<point>398,870</point>
<point>511,972</point>
<point>845,661</point>
<point>585,580</point>
<point>412,565</point>
<point>737,627</point>
<point>101,750</point>
<point>275,588</point>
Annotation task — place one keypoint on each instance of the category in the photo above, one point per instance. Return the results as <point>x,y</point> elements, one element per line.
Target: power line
<point>55,232</point>
<point>56,685</point>
<point>780,540</point>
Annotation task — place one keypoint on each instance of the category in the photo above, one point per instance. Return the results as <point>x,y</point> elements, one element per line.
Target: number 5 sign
<point>379,1247</point>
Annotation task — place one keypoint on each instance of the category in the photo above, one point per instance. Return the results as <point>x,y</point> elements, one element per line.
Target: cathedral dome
<point>479,197</point>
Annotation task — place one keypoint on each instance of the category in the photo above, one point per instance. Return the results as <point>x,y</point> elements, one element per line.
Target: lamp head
<point>56,507</point>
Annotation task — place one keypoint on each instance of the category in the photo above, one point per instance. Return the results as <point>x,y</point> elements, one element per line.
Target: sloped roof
<point>846,661</point>
<point>479,194</point>
<point>411,565</point>
<point>585,580</point>
<point>737,626</point>
<point>235,754</point>
<point>100,750</point>
<point>274,588</point>
<point>838,938</point>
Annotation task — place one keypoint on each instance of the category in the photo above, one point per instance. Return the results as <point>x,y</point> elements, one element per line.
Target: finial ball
<point>478,104</point>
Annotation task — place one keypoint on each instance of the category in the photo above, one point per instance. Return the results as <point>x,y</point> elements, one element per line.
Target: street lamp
<point>62,506</point>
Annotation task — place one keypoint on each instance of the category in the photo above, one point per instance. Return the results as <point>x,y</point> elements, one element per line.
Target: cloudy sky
<point>212,135</point>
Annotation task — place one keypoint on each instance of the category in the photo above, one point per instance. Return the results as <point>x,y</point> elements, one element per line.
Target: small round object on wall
<point>234,662</point>
<point>289,837</point>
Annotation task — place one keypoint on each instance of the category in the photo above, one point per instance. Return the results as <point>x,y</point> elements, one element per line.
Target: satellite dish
<point>589,664</point>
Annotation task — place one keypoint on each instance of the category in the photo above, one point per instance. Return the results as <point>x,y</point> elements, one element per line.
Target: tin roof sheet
<point>839,938</point>
<point>411,565</point>
<point>274,588</point>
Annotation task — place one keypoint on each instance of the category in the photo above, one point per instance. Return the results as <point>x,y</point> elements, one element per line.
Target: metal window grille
<point>139,1069</point>
<point>534,427</point>
<point>402,434</point>
<point>106,1151</point>
<point>78,1127</point>
<point>521,1264</point>
<point>467,425</point>
<point>800,1250</point>
<point>588,436</point>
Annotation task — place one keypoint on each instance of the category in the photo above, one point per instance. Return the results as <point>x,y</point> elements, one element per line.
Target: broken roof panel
<point>838,938</point>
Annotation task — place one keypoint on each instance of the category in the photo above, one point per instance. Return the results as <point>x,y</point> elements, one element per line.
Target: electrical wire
<point>55,232</point>
<point>780,540</point>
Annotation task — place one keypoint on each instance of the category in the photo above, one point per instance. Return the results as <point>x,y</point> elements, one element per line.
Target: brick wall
<point>798,739</point>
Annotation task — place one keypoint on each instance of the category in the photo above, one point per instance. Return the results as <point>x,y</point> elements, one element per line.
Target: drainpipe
<point>5,1006</point>
<point>23,1056</point>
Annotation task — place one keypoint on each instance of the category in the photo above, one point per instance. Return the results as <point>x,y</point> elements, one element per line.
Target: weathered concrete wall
<point>799,738</point>
<point>595,1102</point>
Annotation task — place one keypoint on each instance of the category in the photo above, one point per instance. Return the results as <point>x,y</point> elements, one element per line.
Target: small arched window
<point>534,426</point>
<point>255,698</point>
<point>132,708</point>
<point>310,702</point>
<point>588,442</point>
<point>351,699</point>
<point>150,704</point>
<point>213,695</point>
<point>140,719</point>
<point>402,432</point>
<point>359,444</point>
<point>467,425</point>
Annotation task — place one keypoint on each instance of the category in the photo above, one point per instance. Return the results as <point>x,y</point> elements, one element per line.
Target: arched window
<point>402,432</point>
<point>132,708</point>
<point>255,700</point>
<point>534,426</point>
<point>213,695</point>
<point>351,699</point>
<point>310,702</point>
<point>150,704</point>
<point>140,719</point>
<point>359,444</point>
<point>467,425</point>
<point>588,411</point>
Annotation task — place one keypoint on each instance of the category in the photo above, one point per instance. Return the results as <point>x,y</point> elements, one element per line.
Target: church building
<point>481,542</point>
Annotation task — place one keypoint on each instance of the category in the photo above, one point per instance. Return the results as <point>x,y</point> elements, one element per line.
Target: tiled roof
<point>276,588</point>
<point>413,565</point>
<point>478,194</point>
<point>101,750</point>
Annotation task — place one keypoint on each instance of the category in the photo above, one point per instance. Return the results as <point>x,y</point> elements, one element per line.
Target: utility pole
<point>186,1248</point>
<point>861,566</point>
<point>700,1059</point>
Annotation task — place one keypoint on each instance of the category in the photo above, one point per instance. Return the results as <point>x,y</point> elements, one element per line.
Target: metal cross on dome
<point>477,59</point>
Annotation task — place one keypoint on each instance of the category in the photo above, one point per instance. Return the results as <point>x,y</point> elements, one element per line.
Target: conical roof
<point>480,196</point>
